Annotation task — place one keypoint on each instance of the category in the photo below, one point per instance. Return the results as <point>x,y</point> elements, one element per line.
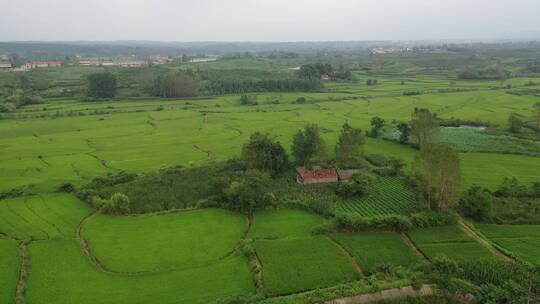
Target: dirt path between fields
<point>351,258</point>
<point>386,295</point>
<point>19,291</point>
<point>409,242</point>
<point>468,231</point>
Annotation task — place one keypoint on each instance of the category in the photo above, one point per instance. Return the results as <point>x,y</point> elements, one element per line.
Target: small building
<point>316,175</point>
<point>344,175</point>
<point>5,65</point>
<point>325,77</point>
<point>41,64</point>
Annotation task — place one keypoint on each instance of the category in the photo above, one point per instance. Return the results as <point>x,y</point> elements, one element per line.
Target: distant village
<point>6,63</point>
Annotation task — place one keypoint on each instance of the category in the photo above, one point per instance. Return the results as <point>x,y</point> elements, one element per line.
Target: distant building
<point>326,77</point>
<point>121,63</point>
<point>316,175</point>
<point>344,175</point>
<point>41,64</point>
<point>5,65</point>
<point>160,61</point>
<point>386,50</point>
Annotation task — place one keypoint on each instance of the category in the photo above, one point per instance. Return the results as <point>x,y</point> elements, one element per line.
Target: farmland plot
<point>374,248</point>
<point>386,195</point>
<point>521,240</point>
<point>74,279</point>
<point>449,241</point>
<point>9,264</point>
<point>44,216</point>
<point>284,224</point>
<point>296,265</point>
<point>156,242</point>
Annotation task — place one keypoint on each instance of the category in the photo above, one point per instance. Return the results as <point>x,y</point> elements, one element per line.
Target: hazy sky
<point>267,20</point>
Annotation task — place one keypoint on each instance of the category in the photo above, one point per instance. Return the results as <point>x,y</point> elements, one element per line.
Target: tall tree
<point>424,126</point>
<point>250,192</point>
<point>349,146</point>
<point>376,125</point>
<point>439,175</point>
<point>404,132</point>
<point>262,153</point>
<point>514,123</point>
<point>102,85</point>
<point>308,144</point>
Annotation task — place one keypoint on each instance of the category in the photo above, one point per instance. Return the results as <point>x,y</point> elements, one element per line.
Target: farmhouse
<point>41,64</point>
<point>315,175</point>
<point>5,65</point>
<point>344,175</point>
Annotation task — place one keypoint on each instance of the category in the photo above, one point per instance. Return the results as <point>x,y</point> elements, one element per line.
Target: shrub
<point>249,100</point>
<point>301,100</point>
<point>477,203</point>
<point>511,187</point>
<point>378,160</point>
<point>323,207</point>
<point>385,171</point>
<point>356,222</point>
<point>325,228</point>
<point>433,219</point>
<point>66,187</point>
<point>117,204</point>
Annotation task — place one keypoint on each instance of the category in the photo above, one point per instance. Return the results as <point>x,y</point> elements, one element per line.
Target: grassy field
<point>9,264</point>
<point>174,240</point>
<point>283,224</point>
<point>521,240</point>
<point>296,265</point>
<point>375,248</point>
<point>130,135</point>
<point>44,216</point>
<point>449,241</point>
<point>386,195</point>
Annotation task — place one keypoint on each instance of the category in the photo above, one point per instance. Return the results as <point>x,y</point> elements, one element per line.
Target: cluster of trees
<point>180,84</point>
<point>315,71</point>
<point>218,87</point>
<point>102,85</point>
<point>436,168</point>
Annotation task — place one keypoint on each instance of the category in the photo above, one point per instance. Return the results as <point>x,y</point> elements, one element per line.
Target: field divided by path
<point>9,265</point>
<point>46,216</point>
<point>448,241</point>
<point>375,248</point>
<point>74,279</point>
<point>153,242</point>
<point>523,241</point>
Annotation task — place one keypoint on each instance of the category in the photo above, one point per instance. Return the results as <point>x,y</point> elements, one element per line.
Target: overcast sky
<point>268,20</point>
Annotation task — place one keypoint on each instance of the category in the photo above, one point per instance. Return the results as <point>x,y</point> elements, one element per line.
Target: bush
<point>356,222</point>
<point>323,207</point>
<point>249,100</point>
<point>301,100</point>
<point>433,219</point>
<point>378,160</point>
<point>117,204</point>
<point>385,171</point>
<point>66,187</point>
<point>477,204</point>
<point>326,228</point>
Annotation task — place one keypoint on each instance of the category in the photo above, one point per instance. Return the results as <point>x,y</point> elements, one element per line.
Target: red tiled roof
<point>317,174</point>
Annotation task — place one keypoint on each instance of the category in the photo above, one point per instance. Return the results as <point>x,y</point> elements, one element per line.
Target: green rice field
<point>291,266</point>
<point>168,241</point>
<point>283,224</point>
<point>450,242</point>
<point>521,240</point>
<point>9,264</point>
<point>375,248</point>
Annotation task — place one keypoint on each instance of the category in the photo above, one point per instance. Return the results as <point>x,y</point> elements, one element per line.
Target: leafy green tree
<point>396,164</point>
<point>405,132</point>
<point>356,186</point>
<point>510,187</point>
<point>262,153</point>
<point>349,148</point>
<point>424,127</point>
<point>438,174</point>
<point>181,84</point>
<point>477,203</point>
<point>376,125</point>
<point>308,144</point>
<point>118,203</point>
<point>514,123</point>
<point>102,85</point>
<point>250,192</point>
